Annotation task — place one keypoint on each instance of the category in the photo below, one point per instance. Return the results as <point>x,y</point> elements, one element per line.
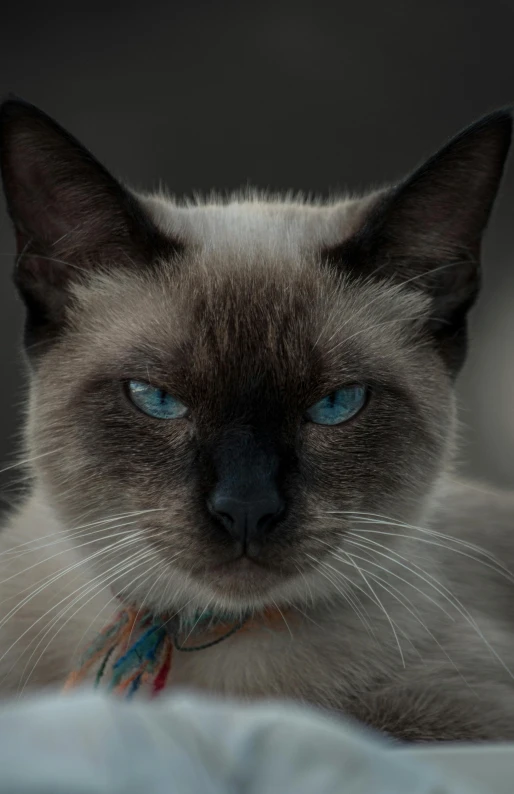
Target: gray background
<point>310,95</point>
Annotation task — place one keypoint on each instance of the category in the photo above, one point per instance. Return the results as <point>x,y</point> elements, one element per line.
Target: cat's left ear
<point>426,232</point>
<point>70,214</point>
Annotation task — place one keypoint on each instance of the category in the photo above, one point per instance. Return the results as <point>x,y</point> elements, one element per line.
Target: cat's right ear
<point>425,233</point>
<point>70,215</point>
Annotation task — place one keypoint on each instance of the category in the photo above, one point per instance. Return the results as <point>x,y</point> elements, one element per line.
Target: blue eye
<point>338,407</point>
<point>155,402</point>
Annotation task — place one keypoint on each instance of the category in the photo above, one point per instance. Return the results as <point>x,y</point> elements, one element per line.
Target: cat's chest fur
<point>323,657</point>
<point>302,660</point>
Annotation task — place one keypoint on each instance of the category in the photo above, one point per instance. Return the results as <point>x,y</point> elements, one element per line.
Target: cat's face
<point>181,357</point>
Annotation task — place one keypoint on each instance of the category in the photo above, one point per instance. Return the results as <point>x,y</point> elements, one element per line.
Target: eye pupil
<point>155,402</point>
<point>338,406</point>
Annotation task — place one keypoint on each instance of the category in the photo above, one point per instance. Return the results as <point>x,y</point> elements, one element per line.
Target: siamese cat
<point>245,406</point>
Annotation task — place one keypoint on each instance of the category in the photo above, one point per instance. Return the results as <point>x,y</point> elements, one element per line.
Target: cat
<point>248,404</point>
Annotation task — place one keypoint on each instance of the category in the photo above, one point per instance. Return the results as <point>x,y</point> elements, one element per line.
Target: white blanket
<point>89,744</point>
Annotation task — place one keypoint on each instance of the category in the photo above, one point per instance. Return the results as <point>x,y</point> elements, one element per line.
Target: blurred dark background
<point>285,94</point>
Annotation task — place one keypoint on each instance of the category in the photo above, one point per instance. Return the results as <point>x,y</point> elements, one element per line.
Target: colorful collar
<point>137,647</point>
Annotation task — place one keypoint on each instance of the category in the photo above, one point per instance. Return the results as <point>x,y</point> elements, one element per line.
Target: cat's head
<point>223,387</point>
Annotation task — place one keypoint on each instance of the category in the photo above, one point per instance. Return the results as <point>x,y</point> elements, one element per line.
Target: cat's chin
<point>244,577</point>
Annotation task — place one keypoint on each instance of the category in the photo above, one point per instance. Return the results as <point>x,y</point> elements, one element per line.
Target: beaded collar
<point>137,648</point>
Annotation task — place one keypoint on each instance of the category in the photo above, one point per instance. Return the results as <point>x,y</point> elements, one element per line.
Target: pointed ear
<point>426,232</point>
<point>70,215</point>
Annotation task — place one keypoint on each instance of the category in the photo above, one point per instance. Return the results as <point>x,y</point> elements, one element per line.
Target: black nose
<point>247,520</point>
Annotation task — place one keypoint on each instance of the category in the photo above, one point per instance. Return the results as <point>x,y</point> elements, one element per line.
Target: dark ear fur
<point>427,231</point>
<point>69,213</point>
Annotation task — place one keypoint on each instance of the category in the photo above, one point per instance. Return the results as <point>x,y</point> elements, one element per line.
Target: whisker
<point>49,611</point>
<point>63,551</point>
<point>307,585</point>
<point>385,521</point>
<point>91,534</point>
<point>370,597</point>
<point>440,588</point>
<point>70,532</point>
<point>182,608</point>
<point>496,568</point>
<point>113,552</point>
<point>197,621</point>
<point>102,585</point>
<point>382,607</point>
<point>361,570</point>
<point>166,562</point>
<point>26,461</point>
<point>351,595</point>
<point>440,535</point>
<point>392,590</point>
<point>426,596</point>
<point>120,543</point>
<point>347,595</point>
<point>145,599</point>
<point>52,577</point>
<point>283,618</point>
<point>473,486</point>
<point>120,568</point>
<point>401,598</point>
<point>307,616</point>
<point>58,262</point>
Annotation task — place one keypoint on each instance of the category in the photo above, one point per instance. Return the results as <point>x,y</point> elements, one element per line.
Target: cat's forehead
<point>221,309</point>
<point>247,267</point>
<point>258,223</point>
<point>250,290</point>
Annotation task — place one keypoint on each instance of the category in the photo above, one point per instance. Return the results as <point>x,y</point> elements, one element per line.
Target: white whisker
<point>382,607</point>
<point>200,616</point>
<point>118,573</point>
<point>381,582</point>
<point>70,532</point>
<point>54,606</point>
<point>438,587</point>
<point>439,535</point>
<point>120,543</point>
<point>115,596</point>
<point>283,617</point>
<point>27,461</point>
<point>64,551</point>
<point>347,595</point>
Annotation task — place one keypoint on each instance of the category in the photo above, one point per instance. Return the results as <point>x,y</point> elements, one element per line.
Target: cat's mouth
<point>243,574</point>
<point>242,563</point>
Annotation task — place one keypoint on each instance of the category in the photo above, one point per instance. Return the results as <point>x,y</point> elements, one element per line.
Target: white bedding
<point>89,744</point>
